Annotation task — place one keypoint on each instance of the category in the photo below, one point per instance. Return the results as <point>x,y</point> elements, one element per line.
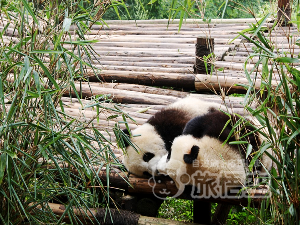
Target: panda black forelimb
<point>189,158</point>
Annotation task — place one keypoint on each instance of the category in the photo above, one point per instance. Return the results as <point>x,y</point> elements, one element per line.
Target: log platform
<point>137,60</point>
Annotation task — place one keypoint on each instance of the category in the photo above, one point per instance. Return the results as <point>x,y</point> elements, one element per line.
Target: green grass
<point>182,210</point>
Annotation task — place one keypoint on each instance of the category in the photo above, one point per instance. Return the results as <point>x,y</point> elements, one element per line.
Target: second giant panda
<point>154,138</point>
<point>200,158</point>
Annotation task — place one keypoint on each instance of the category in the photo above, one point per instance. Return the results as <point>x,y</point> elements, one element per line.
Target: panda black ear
<point>189,158</point>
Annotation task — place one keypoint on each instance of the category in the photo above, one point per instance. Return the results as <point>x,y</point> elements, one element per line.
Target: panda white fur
<point>200,158</point>
<point>154,138</point>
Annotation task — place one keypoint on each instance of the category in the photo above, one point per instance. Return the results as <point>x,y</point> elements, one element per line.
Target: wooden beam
<point>284,12</point>
<point>204,47</point>
<point>202,212</point>
<point>118,216</point>
<point>185,81</point>
<point>221,214</point>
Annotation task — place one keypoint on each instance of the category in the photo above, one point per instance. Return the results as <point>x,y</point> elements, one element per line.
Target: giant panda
<point>154,138</point>
<point>201,159</point>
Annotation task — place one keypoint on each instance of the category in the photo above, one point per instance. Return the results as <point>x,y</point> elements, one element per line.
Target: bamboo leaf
<point>151,2</point>
<point>261,23</point>
<point>67,23</point>
<point>2,166</point>
<point>46,71</point>
<point>28,8</point>
<point>36,78</point>
<point>80,42</point>
<point>249,150</point>
<point>46,52</point>
<point>287,60</point>
<point>2,97</point>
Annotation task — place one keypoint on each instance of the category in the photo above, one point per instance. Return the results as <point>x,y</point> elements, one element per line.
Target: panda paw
<point>189,158</point>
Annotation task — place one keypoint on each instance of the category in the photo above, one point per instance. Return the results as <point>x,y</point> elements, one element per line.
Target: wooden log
<point>145,78</point>
<point>172,60</point>
<point>143,44</point>
<point>107,113</point>
<point>162,27</point>
<point>106,49</point>
<point>205,82</point>
<point>236,66</point>
<point>187,21</point>
<point>142,53</point>
<point>156,39</point>
<point>195,33</point>
<point>145,186</point>
<point>118,216</point>
<point>178,39</point>
<point>86,115</point>
<point>137,62</point>
<point>122,96</point>
<point>158,69</point>
<point>145,89</point>
<point>175,53</point>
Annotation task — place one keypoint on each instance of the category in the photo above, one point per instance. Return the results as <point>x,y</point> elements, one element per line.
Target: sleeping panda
<point>212,167</point>
<point>154,138</point>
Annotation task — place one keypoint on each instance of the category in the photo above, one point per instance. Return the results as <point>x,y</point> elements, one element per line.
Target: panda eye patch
<point>148,156</point>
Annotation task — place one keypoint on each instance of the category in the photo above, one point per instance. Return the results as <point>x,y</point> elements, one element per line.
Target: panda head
<point>205,157</point>
<point>151,151</point>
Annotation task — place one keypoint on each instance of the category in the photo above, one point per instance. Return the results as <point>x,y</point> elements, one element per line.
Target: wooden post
<point>202,212</point>
<point>284,12</point>
<point>221,214</point>
<point>204,47</point>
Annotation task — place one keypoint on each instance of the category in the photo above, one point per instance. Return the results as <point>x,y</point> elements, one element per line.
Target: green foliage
<point>232,9</point>
<point>278,115</point>
<point>139,10</point>
<point>182,210</point>
<point>177,209</point>
<point>45,155</point>
<point>239,215</point>
<point>182,9</point>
